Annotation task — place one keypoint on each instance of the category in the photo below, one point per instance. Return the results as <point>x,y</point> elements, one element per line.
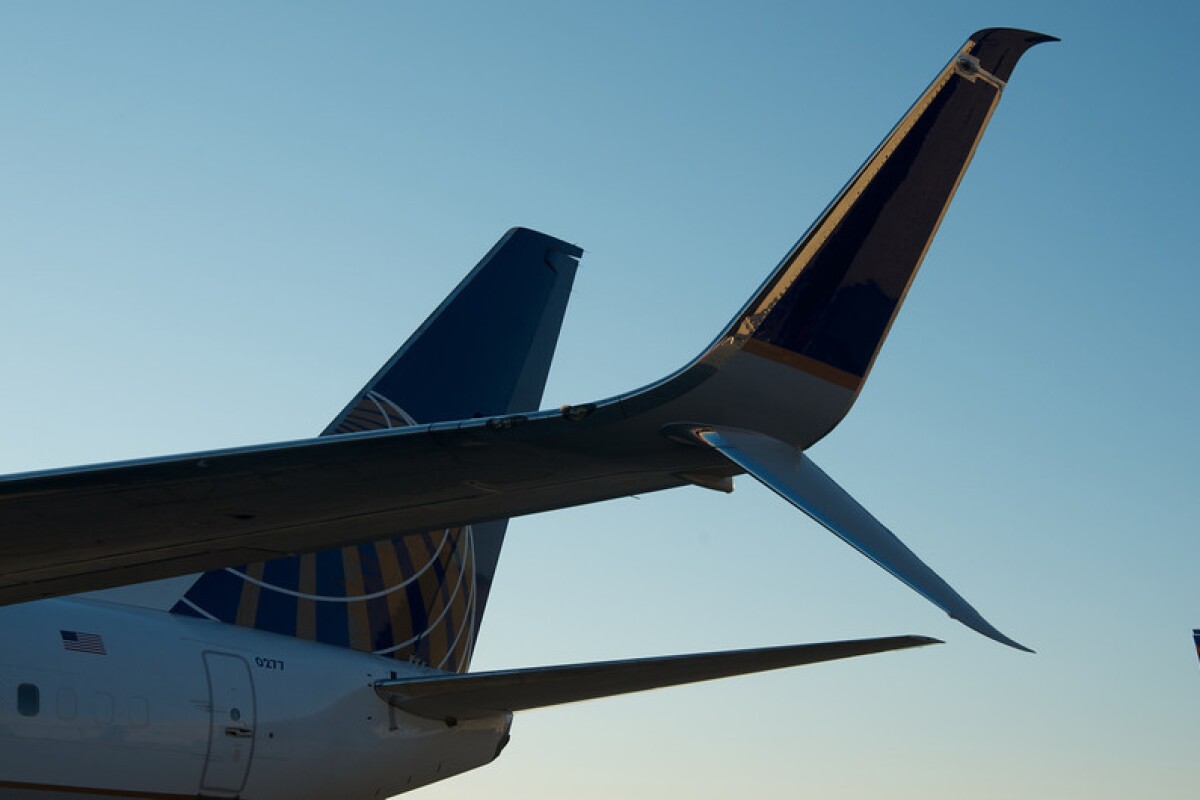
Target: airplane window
<point>29,700</point>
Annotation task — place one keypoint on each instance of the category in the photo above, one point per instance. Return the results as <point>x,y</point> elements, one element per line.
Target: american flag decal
<point>79,642</point>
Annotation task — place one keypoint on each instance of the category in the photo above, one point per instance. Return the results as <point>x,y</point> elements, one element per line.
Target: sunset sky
<point>220,218</point>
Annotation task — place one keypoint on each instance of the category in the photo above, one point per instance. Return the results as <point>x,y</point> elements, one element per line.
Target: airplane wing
<point>95,527</point>
<point>454,697</point>
<point>785,371</point>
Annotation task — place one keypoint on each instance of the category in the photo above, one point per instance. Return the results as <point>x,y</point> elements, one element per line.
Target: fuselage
<point>98,698</point>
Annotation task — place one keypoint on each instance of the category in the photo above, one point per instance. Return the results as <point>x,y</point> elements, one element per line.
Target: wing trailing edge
<point>453,697</point>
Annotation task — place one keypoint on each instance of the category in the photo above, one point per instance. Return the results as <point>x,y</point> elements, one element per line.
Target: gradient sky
<point>219,219</point>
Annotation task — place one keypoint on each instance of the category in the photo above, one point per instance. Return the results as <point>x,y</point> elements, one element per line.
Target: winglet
<point>794,477</point>
<point>999,49</point>
<point>793,361</point>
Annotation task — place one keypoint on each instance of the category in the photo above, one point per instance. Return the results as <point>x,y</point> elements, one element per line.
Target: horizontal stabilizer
<point>466,696</point>
<point>794,477</point>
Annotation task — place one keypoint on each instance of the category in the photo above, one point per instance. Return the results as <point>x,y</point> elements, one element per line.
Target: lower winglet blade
<point>794,477</point>
<point>453,697</point>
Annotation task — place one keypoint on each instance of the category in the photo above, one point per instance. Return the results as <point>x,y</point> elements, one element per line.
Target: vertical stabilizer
<point>486,350</point>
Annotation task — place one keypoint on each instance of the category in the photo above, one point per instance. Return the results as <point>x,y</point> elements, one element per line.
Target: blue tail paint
<point>486,350</point>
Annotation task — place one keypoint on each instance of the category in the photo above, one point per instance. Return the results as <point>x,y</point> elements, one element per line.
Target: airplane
<point>1196,639</point>
<point>297,620</point>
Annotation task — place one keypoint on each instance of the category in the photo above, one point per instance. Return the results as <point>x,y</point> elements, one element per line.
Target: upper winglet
<point>831,303</point>
<point>810,335</point>
<point>999,49</point>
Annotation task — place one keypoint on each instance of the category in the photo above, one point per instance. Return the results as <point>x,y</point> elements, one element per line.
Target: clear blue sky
<point>219,218</point>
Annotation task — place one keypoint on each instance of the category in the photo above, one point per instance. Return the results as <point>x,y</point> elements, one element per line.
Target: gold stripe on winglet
<point>818,369</point>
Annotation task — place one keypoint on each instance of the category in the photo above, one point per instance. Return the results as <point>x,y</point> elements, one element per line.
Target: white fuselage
<point>181,707</point>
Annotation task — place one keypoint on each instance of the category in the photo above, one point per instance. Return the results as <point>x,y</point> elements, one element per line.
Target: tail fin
<point>486,350</point>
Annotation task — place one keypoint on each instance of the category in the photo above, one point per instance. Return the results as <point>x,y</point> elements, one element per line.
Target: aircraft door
<point>231,724</point>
